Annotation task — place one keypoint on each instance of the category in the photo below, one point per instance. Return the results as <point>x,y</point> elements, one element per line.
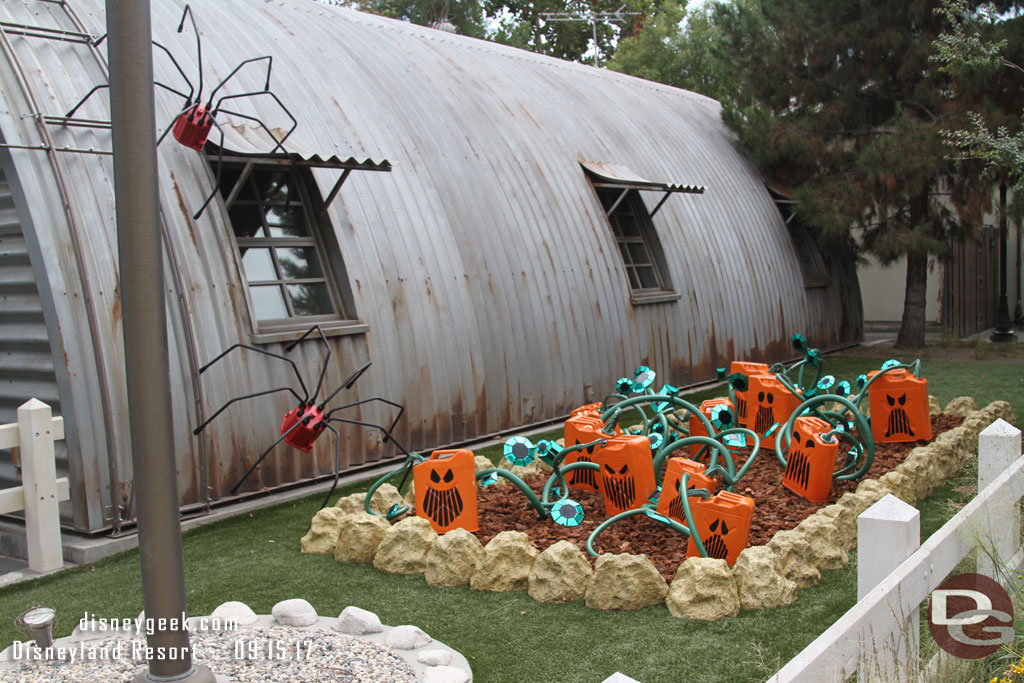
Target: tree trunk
<point>911,334</point>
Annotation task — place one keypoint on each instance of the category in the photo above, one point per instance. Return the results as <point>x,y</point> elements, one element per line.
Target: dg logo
<point>970,616</point>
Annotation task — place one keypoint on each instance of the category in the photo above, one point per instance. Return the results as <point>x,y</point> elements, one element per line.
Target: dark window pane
<point>633,282</point>
<point>258,265</point>
<point>638,251</point>
<point>273,186</point>
<point>245,220</point>
<point>648,280</point>
<point>299,263</point>
<point>310,299</point>
<point>286,221</point>
<point>268,302</point>
<point>624,250</point>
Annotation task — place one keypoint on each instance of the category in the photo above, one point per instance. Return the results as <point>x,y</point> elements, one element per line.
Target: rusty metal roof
<point>488,287</point>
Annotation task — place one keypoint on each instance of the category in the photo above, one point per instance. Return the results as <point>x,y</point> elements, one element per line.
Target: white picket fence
<point>41,491</point>
<point>877,639</point>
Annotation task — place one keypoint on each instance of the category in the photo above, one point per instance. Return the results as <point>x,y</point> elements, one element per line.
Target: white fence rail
<point>41,491</point>
<point>877,638</point>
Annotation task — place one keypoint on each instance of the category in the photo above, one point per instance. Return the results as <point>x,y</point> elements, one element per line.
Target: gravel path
<point>275,653</point>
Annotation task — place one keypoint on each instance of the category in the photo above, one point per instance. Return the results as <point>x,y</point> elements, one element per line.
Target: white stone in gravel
<point>407,637</point>
<point>294,612</point>
<point>236,611</point>
<point>435,657</point>
<point>446,674</point>
<point>356,621</point>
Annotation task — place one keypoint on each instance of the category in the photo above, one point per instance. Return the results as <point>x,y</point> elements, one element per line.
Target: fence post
<point>998,446</point>
<point>39,479</point>
<point>888,532</point>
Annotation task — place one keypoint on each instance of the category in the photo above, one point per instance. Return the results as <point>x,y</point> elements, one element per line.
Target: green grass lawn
<point>507,637</point>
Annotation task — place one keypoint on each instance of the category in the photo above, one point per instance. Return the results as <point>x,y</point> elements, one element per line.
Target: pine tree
<point>840,104</point>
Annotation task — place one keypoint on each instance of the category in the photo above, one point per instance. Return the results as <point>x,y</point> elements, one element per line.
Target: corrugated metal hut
<point>541,232</point>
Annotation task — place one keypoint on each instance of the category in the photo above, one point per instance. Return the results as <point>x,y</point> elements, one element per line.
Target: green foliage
<point>466,15</point>
<point>973,44</point>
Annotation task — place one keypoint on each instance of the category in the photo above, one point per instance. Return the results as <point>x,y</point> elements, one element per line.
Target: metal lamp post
<point>140,257</point>
<point>1003,332</point>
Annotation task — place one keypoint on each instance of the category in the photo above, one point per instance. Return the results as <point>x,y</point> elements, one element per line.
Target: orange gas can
<point>810,461</point>
<point>581,429</point>
<point>743,397</point>
<point>720,419</point>
<point>627,473</point>
<point>446,490</point>
<point>723,522</point>
<point>670,504</point>
<point>771,403</point>
<point>592,409</point>
<point>899,407</point>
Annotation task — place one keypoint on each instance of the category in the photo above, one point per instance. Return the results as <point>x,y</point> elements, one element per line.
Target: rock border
<point>432,661</point>
<point>763,577</point>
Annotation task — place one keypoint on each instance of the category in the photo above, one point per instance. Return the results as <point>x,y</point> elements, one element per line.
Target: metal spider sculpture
<point>192,125</point>
<point>309,419</point>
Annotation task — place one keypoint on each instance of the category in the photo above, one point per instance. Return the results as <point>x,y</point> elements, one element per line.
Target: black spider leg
<point>280,143</point>
<point>394,423</point>
<point>387,433</point>
<point>337,465</point>
<point>265,453</point>
<point>290,362</point>
<point>187,12</point>
<point>242,398</point>
<point>327,358</point>
<point>188,98</point>
<point>220,165</point>
<point>266,86</point>
<point>347,384</point>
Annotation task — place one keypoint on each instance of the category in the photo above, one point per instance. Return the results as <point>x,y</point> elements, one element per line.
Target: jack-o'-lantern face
<point>619,486</point>
<point>670,503</point>
<point>765,417</point>
<point>899,421</point>
<point>715,543</point>
<point>442,502</point>
<point>798,466</point>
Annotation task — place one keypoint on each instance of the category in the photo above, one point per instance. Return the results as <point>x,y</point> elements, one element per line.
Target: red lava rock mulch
<point>505,508</point>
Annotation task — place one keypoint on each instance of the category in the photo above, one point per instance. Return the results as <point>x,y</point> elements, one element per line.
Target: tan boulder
<point>481,463</point>
<point>921,472</point>
<point>872,490</point>
<point>359,536</point>
<point>845,523</point>
<point>560,574</point>
<point>794,558</point>
<point>323,532</point>
<point>705,589</point>
<point>899,485</point>
<point>404,548</point>
<point>536,466</point>
<point>452,559</point>
<point>625,582</point>
<point>506,563</point>
<point>759,581</point>
<point>383,498</point>
<point>855,503</point>
<point>1003,410</point>
<point>953,448</point>
<point>822,539</point>
<point>934,407</point>
<point>961,405</point>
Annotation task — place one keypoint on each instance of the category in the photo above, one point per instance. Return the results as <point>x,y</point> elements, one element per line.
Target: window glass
<point>282,257</point>
<point>258,265</point>
<point>637,241</point>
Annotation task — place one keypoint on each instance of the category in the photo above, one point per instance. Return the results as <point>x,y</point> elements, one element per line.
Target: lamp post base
<point>198,674</point>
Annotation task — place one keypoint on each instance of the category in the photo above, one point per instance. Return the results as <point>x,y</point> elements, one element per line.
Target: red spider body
<point>303,436</point>
<point>193,126</point>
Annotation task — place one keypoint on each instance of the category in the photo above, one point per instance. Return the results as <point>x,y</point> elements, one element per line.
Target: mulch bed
<point>504,508</point>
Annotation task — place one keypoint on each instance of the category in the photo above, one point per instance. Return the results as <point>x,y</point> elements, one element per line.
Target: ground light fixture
<point>40,622</point>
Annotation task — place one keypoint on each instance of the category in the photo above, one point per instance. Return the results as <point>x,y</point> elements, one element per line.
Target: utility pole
<point>594,18</point>
<point>147,374</point>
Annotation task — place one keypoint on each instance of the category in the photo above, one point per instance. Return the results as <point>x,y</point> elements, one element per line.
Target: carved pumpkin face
<point>627,473</point>
<point>765,417</point>
<point>446,491</point>
<point>715,543</point>
<point>723,524</point>
<point>899,422</point>
<point>579,429</point>
<point>670,504</point>
<point>810,460</point>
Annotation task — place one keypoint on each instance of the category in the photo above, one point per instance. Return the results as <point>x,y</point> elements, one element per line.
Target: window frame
<point>320,237</point>
<point>814,270</point>
<point>647,236</point>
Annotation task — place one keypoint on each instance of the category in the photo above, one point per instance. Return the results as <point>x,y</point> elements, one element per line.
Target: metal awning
<point>616,176</point>
<point>251,145</point>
